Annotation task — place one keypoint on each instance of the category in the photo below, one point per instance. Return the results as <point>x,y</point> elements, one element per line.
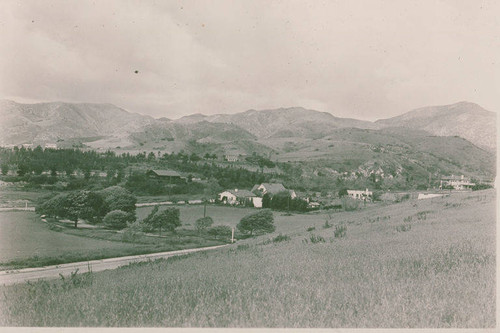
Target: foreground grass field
<point>428,263</point>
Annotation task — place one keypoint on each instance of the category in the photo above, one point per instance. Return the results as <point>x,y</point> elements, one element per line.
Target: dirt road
<point>48,272</point>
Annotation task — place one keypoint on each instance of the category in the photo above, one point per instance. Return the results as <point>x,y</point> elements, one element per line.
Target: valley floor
<point>417,264</point>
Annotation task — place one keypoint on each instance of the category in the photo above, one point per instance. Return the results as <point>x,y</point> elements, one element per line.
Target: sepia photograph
<point>248,164</point>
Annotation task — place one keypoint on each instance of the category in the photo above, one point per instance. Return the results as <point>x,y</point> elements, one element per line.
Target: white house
<point>360,195</point>
<point>231,158</point>
<point>272,188</point>
<point>237,197</point>
<point>458,183</point>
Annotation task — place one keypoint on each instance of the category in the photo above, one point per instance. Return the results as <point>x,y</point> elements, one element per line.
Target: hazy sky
<point>362,59</point>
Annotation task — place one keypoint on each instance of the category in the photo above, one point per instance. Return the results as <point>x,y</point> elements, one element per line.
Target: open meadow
<point>419,264</point>
<point>26,241</point>
<point>24,235</point>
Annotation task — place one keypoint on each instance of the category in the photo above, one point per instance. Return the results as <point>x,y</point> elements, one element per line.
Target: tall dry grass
<point>441,273</point>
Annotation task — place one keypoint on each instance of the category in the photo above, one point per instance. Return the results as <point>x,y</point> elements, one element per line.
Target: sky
<point>360,59</point>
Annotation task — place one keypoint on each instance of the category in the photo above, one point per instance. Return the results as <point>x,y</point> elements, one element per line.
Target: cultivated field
<point>428,263</point>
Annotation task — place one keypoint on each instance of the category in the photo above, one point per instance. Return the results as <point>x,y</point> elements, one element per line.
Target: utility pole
<point>205,208</point>
<point>232,235</point>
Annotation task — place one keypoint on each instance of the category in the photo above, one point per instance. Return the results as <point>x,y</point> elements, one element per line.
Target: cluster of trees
<point>167,219</point>
<point>26,160</point>
<point>48,166</point>
<point>113,206</point>
<point>204,224</point>
<point>283,201</point>
<point>260,161</point>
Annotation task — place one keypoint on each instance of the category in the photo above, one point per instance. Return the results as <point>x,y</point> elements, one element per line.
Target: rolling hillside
<point>464,119</point>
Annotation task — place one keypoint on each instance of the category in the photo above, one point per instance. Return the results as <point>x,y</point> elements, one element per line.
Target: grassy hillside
<point>420,264</point>
<point>392,149</point>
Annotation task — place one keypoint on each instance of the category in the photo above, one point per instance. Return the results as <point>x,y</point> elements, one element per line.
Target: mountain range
<point>49,122</point>
<point>458,138</point>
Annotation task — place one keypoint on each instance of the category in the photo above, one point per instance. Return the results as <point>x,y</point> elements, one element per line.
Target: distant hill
<point>464,119</point>
<point>283,122</point>
<point>458,138</point>
<point>388,152</point>
<point>49,122</point>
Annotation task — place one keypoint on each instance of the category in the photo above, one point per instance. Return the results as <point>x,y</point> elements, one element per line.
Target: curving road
<point>50,272</point>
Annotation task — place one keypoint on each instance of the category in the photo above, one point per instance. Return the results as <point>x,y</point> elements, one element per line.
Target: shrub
<point>350,204</point>
<point>258,222</point>
<point>340,231</point>
<point>241,247</point>
<point>327,224</point>
<point>131,233</point>
<point>479,187</point>
<point>311,228</point>
<point>281,238</point>
<point>403,227</point>
<point>422,216</point>
<point>316,239</point>
<point>220,231</point>
<point>76,280</point>
<point>203,223</point>
<point>116,219</point>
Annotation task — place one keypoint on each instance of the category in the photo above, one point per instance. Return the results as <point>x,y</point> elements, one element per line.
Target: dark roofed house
<point>170,175</point>
<point>272,188</point>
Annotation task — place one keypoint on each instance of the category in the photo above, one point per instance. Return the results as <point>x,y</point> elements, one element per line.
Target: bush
<point>311,229</point>
<point>403,227</point>
<point>258,222</point>
<point>479,187</point>
<point>131,233</point>
<point>116,219</point>
<point>203,223</point>
<point>340,231</point>
<point>316,239</point>
<point>281,238</point>
<point>222,231</point>
<point>350,204</point>
<point>407,219</point>
<point>327,224</point>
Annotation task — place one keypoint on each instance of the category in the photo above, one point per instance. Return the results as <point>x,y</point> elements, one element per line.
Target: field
<point>222,215</point>
<point>25,241</point>
<point>11,196</point>
<point>23,235</point>
<point>417,264</point>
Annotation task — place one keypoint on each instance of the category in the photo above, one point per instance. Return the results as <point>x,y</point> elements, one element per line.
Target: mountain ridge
<point>52,121</point>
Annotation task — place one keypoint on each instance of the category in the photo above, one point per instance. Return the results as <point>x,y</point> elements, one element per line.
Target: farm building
<point>272,188</point>
<point>231,158</point>
<point>239,197</point>
<point>360,195</point>
<point>457,182</point>
<point>169,175</point>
